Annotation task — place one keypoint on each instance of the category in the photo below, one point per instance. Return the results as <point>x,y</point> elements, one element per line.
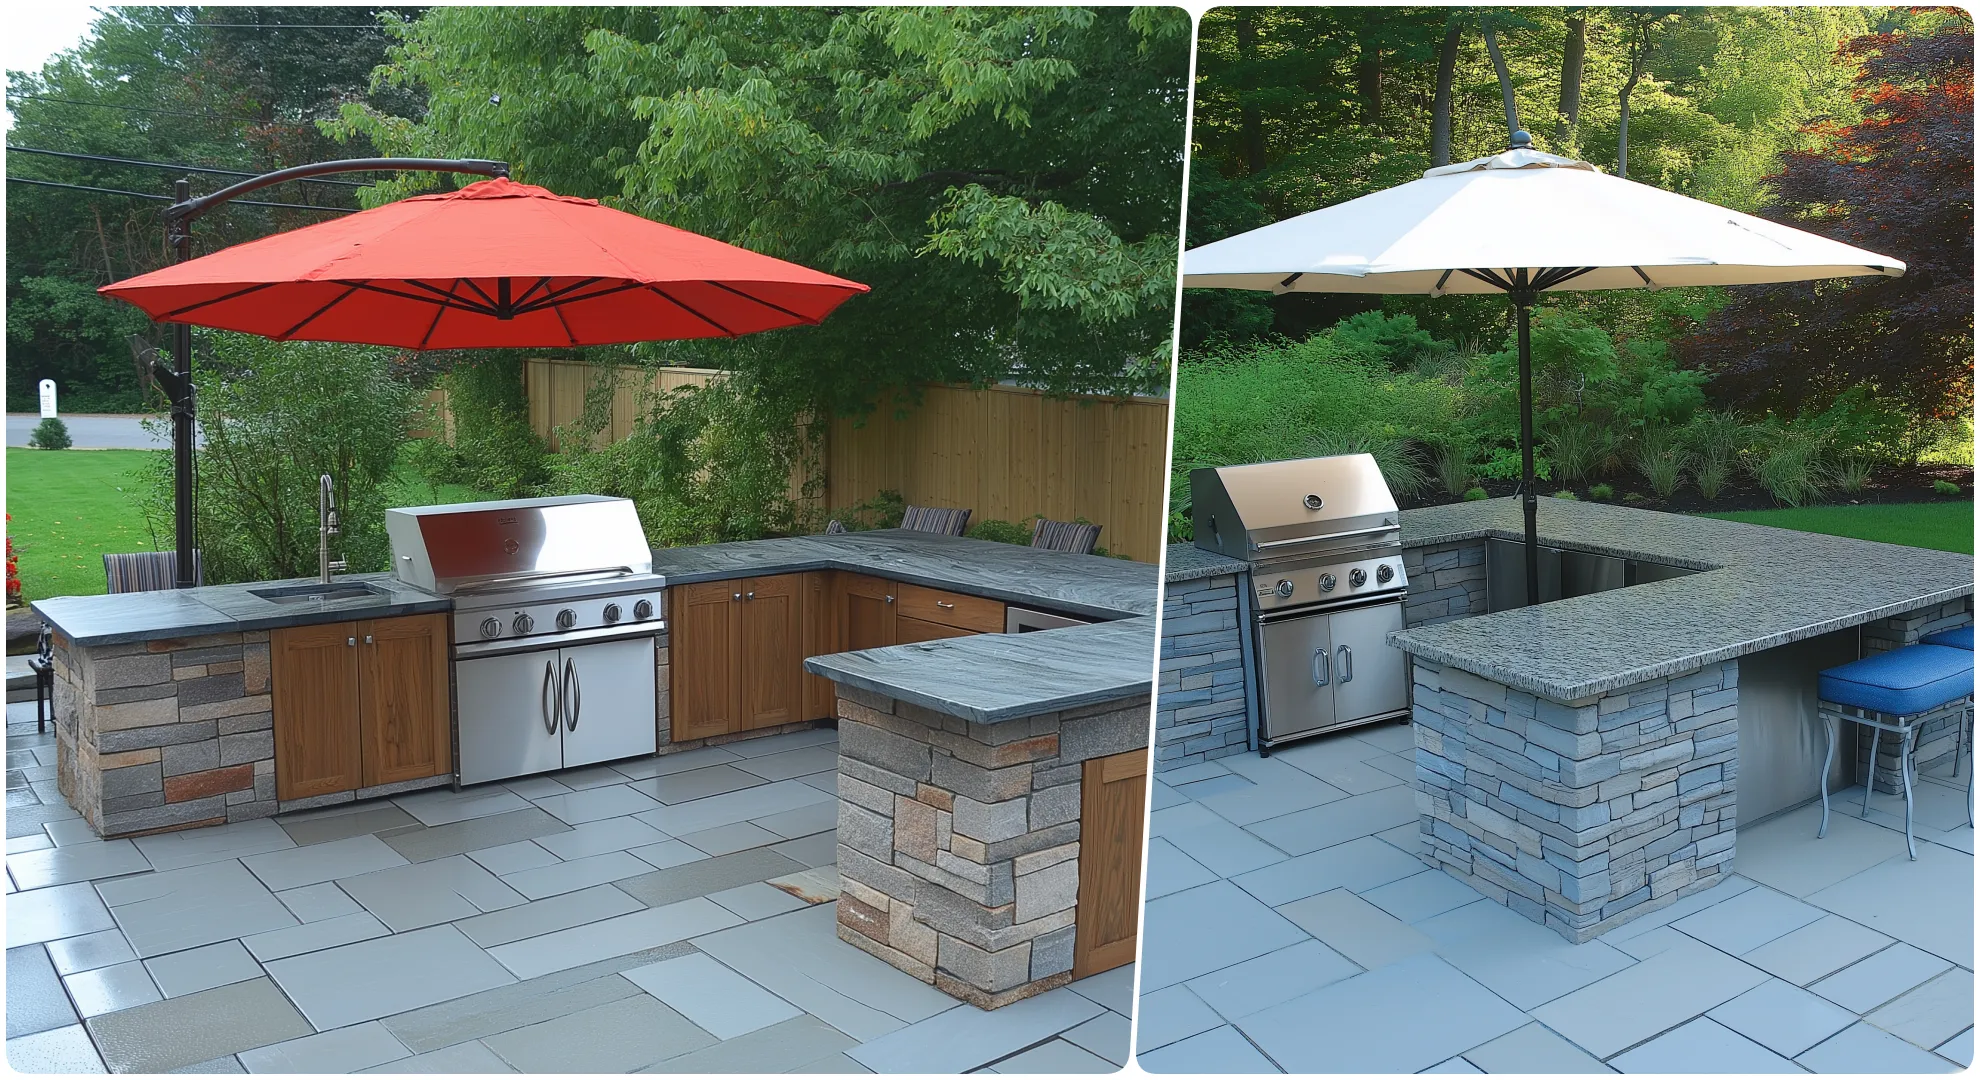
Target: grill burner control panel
<point>1286,586</point>
<point>521,618</point>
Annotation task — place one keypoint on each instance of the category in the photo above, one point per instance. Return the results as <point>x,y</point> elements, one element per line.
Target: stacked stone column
<point>1200,702</point>
<point>959,841</point>
<point>1582,814</point>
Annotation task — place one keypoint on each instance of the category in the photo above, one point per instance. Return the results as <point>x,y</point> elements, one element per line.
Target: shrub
<point>1852,473</point>
<point>1660,456</point>
<point>1601,491</point>
<point>1577,448</point>
<point>1392,340</point>
<point>1945,487</point>
<point>1450,460</point>
<point>50,434</point>
<point>1477,494</point>
<point>1716,440</point>
<point>1401,464</point>
<point>883,511</point>
<point>1002,532</point>
<point>494,449</point>
<point>1788,464</point>
<point>274,416</point>
<point>1570,496</point>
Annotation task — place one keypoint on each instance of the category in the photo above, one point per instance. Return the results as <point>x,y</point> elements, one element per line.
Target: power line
<point>168,198</point>
<point>165,165</point>
<point>135,109</point>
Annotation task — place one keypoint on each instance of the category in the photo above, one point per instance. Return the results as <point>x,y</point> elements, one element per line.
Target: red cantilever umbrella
<point>494,264</point>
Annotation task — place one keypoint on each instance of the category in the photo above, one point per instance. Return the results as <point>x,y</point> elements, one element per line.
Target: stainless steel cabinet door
<point>1299,679</point>
<point>608,701</point>
<point>508,715</point>
<point>1370,678</point>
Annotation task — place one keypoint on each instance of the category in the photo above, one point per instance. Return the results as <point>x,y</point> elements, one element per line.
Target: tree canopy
<point>1007,180</point>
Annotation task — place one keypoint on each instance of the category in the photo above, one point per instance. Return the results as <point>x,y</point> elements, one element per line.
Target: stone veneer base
<point>959,849</point>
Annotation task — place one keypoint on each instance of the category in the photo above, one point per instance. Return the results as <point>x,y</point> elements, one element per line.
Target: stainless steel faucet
<point>326,527</point>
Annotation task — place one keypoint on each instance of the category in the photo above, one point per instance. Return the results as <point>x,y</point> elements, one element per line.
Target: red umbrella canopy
<point>494,264</point>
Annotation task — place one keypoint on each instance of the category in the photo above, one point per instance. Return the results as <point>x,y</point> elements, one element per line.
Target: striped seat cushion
<point>145,571</point>
<point>1076,537</point>
<point>935,519</point>
<point>835,527</point>
<point>1901,682</point>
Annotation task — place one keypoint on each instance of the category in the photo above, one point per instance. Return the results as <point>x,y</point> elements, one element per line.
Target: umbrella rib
<point>559,299</point>
<point>493,306</point>
<point>439,313</point>
<point>765,303</point>
<point>1488,277</point>
<point>312,317</point>
<point>218,300</point>
<point>1566,276</point>
<point>664,295</point>
<point>446,299</point>
<point>541,283</point>
<point>565,323</point>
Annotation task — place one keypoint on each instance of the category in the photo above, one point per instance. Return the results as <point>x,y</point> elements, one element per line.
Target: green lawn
<point>71,506</point>
<point>1947,526</point>
<point>68,507</point>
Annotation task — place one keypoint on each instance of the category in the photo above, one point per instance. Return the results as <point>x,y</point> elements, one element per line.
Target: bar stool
<point>1891,691</point>
<point>1959,638</point>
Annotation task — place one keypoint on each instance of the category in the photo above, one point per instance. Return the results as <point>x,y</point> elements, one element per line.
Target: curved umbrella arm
<point>189,210</point>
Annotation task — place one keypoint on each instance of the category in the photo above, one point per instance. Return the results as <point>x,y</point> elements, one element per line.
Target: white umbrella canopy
<point>1522,209</point>
<point>1521,223</point>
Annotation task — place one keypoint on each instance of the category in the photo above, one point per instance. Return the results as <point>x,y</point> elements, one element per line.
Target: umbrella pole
<point>185,572</point>
<point>1529,504</point>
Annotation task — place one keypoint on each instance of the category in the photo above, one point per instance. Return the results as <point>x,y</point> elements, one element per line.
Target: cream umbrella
<point>1521,223</point>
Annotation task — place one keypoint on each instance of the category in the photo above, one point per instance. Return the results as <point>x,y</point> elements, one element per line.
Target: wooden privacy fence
<point>1005,452</point>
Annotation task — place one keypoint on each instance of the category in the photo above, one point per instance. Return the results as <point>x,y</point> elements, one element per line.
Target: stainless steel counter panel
<point>1781,741</point>
<point>1505,574</point>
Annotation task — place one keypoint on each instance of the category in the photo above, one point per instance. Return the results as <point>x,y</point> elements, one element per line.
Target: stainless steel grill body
<point>556,612</point>
<point>1324,544</point>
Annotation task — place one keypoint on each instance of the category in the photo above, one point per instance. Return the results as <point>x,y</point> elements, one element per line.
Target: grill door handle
<point>1347,664</point>
<point>549,686</point>
<point>576,691</point>
<point>1321,671</point>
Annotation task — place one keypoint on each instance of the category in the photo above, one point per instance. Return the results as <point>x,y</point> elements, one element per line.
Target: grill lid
<point>444,549</point>
<point>1263,511</point>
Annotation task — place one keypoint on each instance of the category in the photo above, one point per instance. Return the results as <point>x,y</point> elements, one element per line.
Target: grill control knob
<point>491,628</point>
<point>568,618</point>
<point>1357,578</point>
<point>1285,587</point>
<point>1327,583</point>
<point>612,613</point>
<point>643,609</point>
<point>523,623</point>
<point>1384,573</point>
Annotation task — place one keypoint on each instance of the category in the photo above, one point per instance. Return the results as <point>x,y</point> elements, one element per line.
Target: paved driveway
<point>90,432</point>
<point>672,913</point>
<point>1837,955</point>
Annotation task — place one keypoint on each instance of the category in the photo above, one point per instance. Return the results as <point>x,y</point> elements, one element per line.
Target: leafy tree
<point>1899,182</point>
<point>1005,179</point>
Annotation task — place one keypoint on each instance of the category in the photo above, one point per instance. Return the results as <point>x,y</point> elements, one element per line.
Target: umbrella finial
<point>1521,141</point>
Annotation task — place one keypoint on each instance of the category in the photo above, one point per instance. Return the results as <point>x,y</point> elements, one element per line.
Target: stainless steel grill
<point>1324,543</point>
<point>556,608</point>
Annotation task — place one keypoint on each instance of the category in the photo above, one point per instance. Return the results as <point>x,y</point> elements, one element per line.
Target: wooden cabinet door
<point>406,731</point>
<point>867,612</point>
<point>706,628</point>
<point>1112,818</point>
<point>772,651</point>
<point>974,614</point>
<point>821,637</point>
<point>313,672</point>
<point>908,630</point>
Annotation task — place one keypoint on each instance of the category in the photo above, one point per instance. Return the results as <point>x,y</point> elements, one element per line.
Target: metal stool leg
<point>1828,728</point>
<point>1870,778</point>
<point>1907,742</point>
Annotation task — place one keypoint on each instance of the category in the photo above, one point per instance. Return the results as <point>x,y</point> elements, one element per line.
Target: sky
<point>38,31</point>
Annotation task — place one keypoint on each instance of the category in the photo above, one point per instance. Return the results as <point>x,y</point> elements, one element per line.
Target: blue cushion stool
<point>1891,691</point>
<point>1961,638</point>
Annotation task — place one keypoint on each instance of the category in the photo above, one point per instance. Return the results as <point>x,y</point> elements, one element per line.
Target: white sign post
<point>47,398</point>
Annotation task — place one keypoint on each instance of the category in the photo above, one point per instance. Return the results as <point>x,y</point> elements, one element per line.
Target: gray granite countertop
<point>1087,585</point>
<point>1187,562</point>
<point>990,678</point>
<point>1760,587</point>
<point>222,609</point>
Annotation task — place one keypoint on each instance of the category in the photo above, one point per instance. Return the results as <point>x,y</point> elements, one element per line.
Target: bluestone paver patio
<point>670,914</point>
<point>1316,941</point>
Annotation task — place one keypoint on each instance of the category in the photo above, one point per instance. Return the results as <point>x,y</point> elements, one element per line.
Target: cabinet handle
<point>549,683</point>
<point>576,691</point>
<point>1347,664</point>
<point>890,598</point>
<point>367,639</point>
<point>738,596</point>
<point>1321,672</point>
<point>350,641</point>
<point>749,595</point>
<point>945,604</point>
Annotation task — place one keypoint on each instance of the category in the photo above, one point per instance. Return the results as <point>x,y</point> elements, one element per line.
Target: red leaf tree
<point>1899,183</point>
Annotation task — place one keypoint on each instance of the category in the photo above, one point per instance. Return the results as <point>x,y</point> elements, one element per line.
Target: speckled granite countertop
<point>1187,562</point>
<point>1760,587</point>
<point>990,678</point>
<point>222,609</point>
<point>1087,585</point>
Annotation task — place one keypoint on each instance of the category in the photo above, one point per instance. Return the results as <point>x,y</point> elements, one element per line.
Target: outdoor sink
<point>316,591</point>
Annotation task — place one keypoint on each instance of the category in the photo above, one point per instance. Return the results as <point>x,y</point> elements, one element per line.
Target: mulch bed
<point>1907,485</point>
